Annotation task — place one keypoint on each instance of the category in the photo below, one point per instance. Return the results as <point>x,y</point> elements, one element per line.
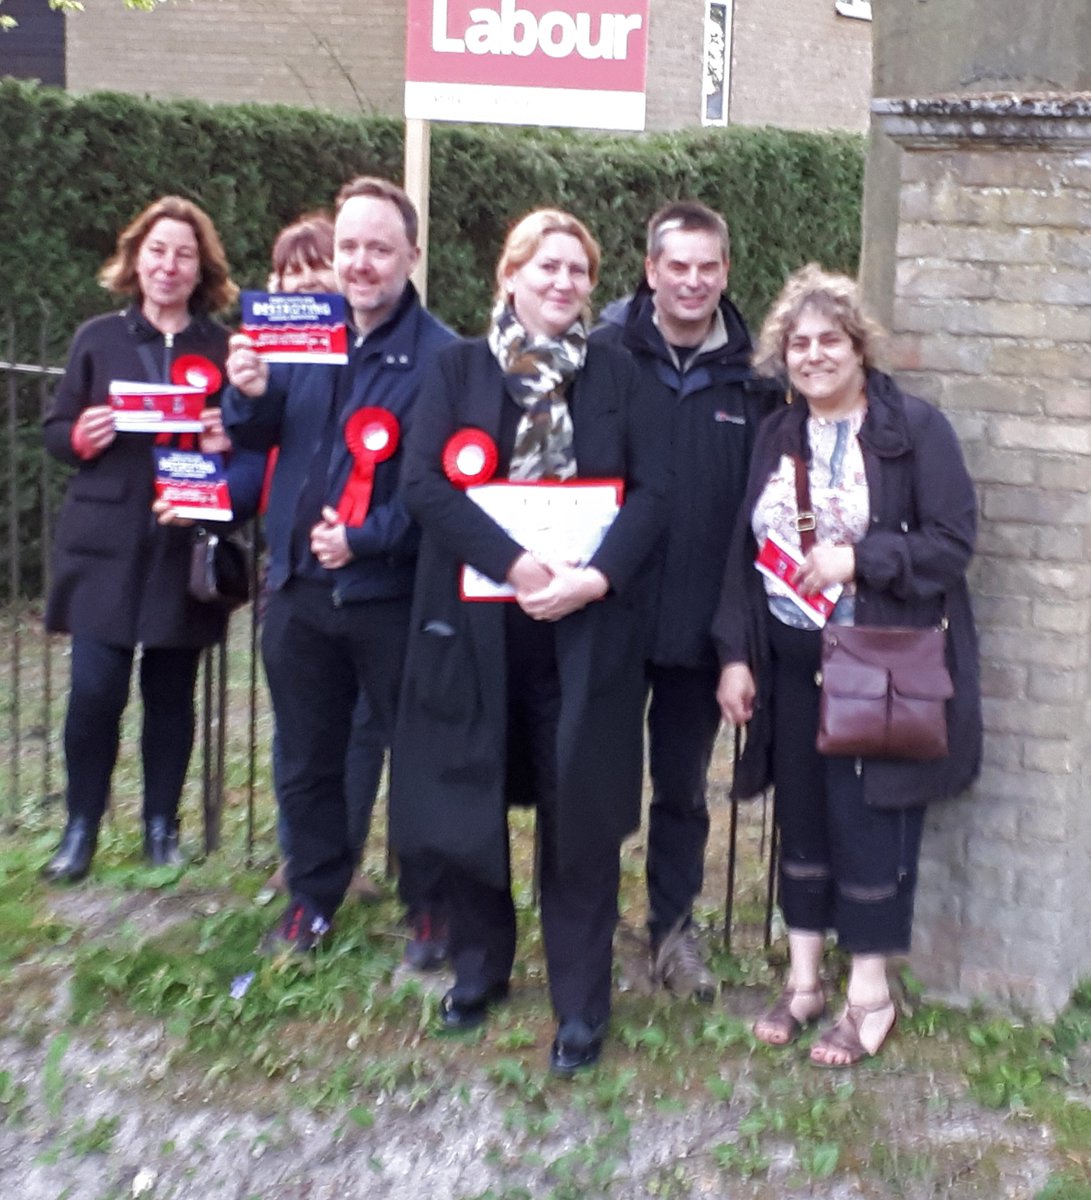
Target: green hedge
<point>74,170</point>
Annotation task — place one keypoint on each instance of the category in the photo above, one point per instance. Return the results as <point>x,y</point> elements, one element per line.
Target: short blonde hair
<point>215,288</point>
<point>835,296</point>
<point>528,233</point>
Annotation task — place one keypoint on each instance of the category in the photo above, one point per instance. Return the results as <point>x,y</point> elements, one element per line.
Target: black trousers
<point>319,656</point>
<point>844,865</point>
<point>101,675</point>
<point>578,899</point>
<point>683,720</point>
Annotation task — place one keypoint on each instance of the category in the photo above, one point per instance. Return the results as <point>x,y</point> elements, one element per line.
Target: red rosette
<point>371,435</point>
<point>194,370</point>
<point>469,457</point>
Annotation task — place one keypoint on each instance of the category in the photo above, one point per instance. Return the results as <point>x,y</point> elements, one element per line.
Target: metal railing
<point>231,704</point>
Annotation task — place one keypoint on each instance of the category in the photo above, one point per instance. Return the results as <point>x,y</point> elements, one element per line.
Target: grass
<point>685,1104</point>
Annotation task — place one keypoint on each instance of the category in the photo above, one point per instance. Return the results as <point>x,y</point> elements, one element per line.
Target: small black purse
<point>219,569</point>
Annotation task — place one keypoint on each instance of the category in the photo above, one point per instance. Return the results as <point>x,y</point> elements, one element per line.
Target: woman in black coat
<point>537,701</point>
<point>120,576</point>
<point>896,519</point>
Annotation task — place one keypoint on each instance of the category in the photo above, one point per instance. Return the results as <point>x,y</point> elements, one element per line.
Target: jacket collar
<point>144,331</point>
<point>885,429</point>
<point>396,338</point>
<point>641,333</point>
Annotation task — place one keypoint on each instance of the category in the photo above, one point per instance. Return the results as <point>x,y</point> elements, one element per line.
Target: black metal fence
<point>231,757</point>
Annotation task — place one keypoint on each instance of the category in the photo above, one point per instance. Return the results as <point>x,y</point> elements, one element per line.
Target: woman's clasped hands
<point>548,591</point>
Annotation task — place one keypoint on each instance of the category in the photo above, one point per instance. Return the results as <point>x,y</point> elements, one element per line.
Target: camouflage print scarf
<point>537,372</point>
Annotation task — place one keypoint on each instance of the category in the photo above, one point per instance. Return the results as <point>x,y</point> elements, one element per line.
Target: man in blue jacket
<point>340,585</point>
<point>692,341</point>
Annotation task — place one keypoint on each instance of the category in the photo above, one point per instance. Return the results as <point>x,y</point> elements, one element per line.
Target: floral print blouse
<point>839,496</point>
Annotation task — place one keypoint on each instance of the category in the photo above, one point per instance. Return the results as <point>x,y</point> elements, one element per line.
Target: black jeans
<point>843,865</point>
<point>318,657</point>
<point>683,720</point>
<point>579,899</point>
<point>100,690</point>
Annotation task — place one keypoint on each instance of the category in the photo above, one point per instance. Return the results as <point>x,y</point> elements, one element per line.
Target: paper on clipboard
<point>561,521</point>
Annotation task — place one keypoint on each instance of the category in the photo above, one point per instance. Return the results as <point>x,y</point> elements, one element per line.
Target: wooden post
<point>418,156</point>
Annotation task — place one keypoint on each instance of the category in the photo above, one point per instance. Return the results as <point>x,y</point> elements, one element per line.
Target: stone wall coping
<point>1027,118</point>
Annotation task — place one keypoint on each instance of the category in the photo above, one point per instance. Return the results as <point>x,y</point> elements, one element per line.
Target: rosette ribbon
<point>371,435</point>
<point>194,370</point>
<point>469,457</point>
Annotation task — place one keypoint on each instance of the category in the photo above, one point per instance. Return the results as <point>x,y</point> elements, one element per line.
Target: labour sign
<point>528,62</point>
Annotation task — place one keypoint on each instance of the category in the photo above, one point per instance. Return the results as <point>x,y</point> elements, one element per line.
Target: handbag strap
<point>805,519</point>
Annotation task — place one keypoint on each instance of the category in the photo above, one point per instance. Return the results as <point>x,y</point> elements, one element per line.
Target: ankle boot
<point>161,843</point>
<point>72,859</point>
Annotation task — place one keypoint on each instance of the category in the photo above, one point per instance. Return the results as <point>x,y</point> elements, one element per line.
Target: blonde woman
<point>538,701</point>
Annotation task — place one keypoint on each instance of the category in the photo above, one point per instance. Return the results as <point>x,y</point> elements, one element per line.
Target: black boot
<point>161,843</point>
<point>72,859</point>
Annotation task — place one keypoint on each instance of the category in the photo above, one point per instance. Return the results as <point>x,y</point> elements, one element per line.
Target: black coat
<point>118,575</point>
<point>448,791</point>
<point>910,569</point>
<point>710,412</point>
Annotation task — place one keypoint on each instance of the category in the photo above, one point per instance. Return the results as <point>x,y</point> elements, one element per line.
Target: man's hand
<point>329,542</point>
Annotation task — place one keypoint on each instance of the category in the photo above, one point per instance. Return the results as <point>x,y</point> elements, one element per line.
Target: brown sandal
<point>844,1037</point>
<point>783,1022</point>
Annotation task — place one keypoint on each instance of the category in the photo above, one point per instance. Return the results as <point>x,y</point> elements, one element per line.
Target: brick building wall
<point>345,55</point>
<point>798,64</point>
<point>676,47</point>
<point>992,315</point>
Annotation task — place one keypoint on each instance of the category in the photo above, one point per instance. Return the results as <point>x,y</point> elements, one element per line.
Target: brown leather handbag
<point>884,692</point>
<point>884,689</point>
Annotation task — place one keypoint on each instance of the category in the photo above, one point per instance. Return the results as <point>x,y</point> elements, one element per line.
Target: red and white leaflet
<point>156,407</point>
<point>780,562</point>
<point>194,484</point>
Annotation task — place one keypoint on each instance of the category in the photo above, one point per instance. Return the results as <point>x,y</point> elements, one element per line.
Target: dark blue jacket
<point>384,370</point>
<point>709,413</point>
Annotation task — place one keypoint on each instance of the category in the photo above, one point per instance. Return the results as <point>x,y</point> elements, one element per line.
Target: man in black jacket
<point>340,575</point>
<point>684,332</point>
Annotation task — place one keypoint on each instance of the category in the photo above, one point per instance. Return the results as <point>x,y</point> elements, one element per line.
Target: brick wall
<point>676,47</point>
<point>800,65</point>
<point>992,313</point>
<point>347,55</point>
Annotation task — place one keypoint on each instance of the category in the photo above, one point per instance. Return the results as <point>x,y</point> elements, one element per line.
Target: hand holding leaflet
<point>780,562</point>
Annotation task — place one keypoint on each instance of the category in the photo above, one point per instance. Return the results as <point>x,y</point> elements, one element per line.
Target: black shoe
<point>577,1046</point>
<point>460,1011</point>
<point>72,859</point>
<point>161,843</point>
<point>427,949</point>
<point>299,931</point>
